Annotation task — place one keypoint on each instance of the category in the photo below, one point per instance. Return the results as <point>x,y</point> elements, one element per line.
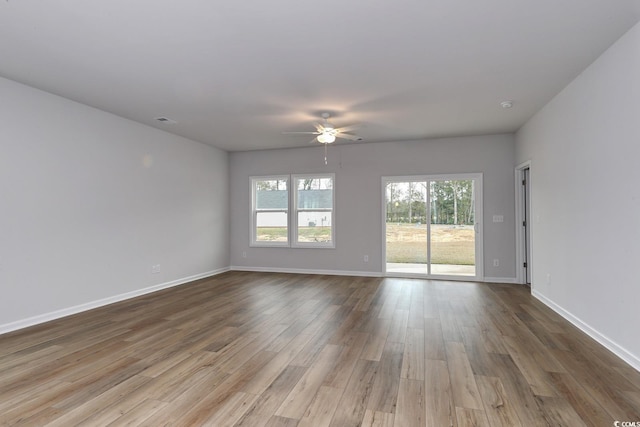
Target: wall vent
<point>165,120</point>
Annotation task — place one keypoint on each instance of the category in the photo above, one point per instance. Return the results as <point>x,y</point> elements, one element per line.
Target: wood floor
<point>256,349</point>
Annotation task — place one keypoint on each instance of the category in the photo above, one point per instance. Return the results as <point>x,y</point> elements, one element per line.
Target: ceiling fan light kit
<point>327,133</point>
<point>326,138</point>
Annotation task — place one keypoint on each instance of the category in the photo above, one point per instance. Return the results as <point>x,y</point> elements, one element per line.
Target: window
<point>270,211</point>
<point>313,211</point>
<point>311,201</point>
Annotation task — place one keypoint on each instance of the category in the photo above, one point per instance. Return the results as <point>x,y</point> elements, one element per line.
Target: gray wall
<point>90,201</point>
<point>359,169</point>
<point>583,148</point>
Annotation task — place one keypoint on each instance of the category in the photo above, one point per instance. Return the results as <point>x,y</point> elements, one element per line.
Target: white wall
<point>584,148</point>
<point>90,201</point>
<point>359,169</point>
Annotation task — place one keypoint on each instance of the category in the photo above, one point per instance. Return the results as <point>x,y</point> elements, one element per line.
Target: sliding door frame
<point>478,223</point>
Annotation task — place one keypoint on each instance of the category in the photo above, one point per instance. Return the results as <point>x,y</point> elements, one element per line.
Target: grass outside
<point>305,234</point>
<point>407,243</point>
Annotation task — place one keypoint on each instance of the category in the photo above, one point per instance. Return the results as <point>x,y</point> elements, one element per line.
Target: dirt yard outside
<point>305,234</point>
<point>407,243</point>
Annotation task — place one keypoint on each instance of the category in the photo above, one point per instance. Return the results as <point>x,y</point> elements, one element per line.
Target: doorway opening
<point>431,226</point>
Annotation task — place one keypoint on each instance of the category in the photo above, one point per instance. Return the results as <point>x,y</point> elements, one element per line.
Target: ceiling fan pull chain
<point>325,153</point>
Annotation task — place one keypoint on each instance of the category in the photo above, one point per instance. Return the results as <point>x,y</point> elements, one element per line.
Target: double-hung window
<point>313,199</point>
<point>293,211</point>
<point>270,211</point>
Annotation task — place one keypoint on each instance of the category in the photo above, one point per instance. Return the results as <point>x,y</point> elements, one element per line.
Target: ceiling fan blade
<point>313,140</point>
<point>319,127</point>
<point>301,133</point>
<point>348,136</point>
<point>349,128</point>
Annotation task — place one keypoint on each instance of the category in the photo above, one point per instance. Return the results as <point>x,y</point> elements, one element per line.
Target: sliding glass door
<point>431,225</point>
<point>406,227</point>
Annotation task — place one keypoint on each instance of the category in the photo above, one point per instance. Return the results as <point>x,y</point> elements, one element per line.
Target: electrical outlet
<point>155,269</point>
<point>366,258</point>
<point>496,262</point>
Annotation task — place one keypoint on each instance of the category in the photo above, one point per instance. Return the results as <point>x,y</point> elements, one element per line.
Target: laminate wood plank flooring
<point>267,349</point>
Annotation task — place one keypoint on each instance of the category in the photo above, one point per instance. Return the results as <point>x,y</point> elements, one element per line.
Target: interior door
<point>526,225</point>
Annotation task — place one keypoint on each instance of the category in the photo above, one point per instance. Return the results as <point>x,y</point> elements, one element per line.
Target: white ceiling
<point>236,74</point>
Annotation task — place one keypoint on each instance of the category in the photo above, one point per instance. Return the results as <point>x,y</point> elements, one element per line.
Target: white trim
<point>611,345</point>
<point>35,320</point>
<point>519,212</point>
<point>509,280</point>
<point>253,242</point>
<point>306,271</point>
<point>437,277</point>
<point>383,216</point>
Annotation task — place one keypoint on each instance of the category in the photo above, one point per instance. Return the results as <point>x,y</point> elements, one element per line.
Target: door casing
<point>524,234</point>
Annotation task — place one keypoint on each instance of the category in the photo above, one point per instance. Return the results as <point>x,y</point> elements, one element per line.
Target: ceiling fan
<point>327,132</point>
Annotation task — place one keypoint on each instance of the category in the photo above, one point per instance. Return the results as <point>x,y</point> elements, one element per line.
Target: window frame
<point>254,211</point>
<point>292,211</point>
<point>295,210</point>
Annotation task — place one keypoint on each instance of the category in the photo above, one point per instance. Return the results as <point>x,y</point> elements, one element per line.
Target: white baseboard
<point>618,350</point>
<point>35,320</point>
<point>510,280</point>
<point>305,271</point>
